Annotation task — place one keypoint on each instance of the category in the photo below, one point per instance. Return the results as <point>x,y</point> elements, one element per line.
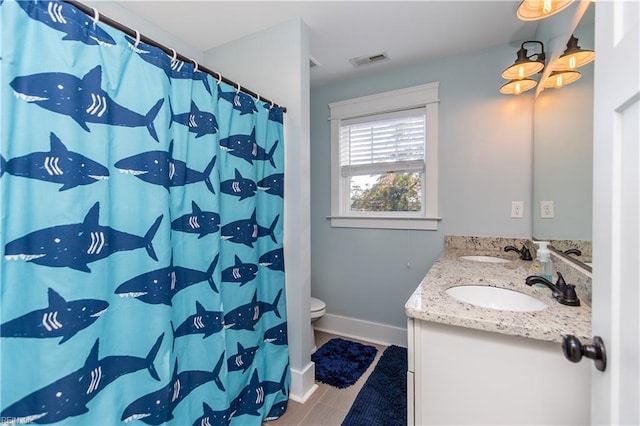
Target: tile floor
<point>328,405</point>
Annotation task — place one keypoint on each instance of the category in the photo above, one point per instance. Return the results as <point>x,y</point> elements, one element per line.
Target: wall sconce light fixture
<point>524,67</point>
<point>565,68</point>
<point>515,87</point>
<point>574,56</point>
<point>559,79</point>
<point>532,10</point>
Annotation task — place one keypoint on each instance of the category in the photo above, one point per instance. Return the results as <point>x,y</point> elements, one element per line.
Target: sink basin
<point>501,299</point>
<point>486,259</point>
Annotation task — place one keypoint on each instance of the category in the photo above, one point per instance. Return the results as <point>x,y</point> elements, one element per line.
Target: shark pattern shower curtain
<point>142,274</point>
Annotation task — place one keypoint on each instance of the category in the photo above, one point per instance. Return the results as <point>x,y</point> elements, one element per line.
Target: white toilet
<point>318,309</point>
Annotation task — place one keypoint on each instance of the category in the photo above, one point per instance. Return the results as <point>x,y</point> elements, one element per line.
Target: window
<point>384,160</point>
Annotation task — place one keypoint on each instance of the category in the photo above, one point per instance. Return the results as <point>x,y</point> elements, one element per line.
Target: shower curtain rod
<point>132,33</point>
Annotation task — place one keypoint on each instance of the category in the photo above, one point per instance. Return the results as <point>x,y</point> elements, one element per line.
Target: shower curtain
<point>141,228</point>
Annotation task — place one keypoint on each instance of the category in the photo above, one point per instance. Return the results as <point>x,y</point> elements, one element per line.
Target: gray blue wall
<point>563,153</point>
<point>485,163</point>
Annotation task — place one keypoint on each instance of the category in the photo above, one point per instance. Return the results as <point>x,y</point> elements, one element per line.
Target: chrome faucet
<point>563,292</point>
<point>525,254</point>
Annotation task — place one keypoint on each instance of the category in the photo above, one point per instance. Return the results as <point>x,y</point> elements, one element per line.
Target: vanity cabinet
<point>459,375</point>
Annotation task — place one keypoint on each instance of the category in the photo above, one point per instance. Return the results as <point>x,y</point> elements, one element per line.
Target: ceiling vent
<point>366,60</point>
<point>313,62</point>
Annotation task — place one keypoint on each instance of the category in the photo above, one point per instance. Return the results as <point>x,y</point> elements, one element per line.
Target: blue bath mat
<point>340,362</point>
<point>382,401</point>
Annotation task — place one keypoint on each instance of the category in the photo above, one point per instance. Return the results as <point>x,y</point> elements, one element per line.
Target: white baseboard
<point>362,330</point>
<point>303,383</point>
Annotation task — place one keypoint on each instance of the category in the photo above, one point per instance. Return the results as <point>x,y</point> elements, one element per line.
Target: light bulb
<point>547,6</point>
<point>572,62</point>
<point>517,89</point>
<point>559,81</point>
<point>521,72</point>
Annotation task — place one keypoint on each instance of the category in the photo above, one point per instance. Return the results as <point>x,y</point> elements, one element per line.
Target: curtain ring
<point>137,39</point>
<point>175,54</point>
<point>272,105</point>
<point>195,69</point>
<point>237,89</point>
<point>96,16</point>
<point>258,97</point>
<point>219,78</point>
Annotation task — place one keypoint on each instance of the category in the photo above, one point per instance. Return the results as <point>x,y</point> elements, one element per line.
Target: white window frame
<point>423,96</point>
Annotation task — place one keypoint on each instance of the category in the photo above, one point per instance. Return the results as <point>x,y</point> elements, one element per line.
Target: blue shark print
<point>275,113</point>
<point>68,396</point>
<point>240,272</point>
<point>82,99</point>
<point>245,147</point>
<point>241,101</point>
<point>198,222</point>
<point>175,69</point>
<point>157,407</point>
<point>245,317</point>
<point>159,286</point>
<point>261,154</point>
<point>58,166</point>
<point>141,231</point>
<point>214,418</point>
<point>273,260</point>
<point>252,397</point>
<point>247,231</point>
<point>60,319</point>
<point>76,245</point>
<point>238,187</point>
<point>277,335</point>
<point>199,122</point>
<point>277,410</point>
<point>273,184</point>
<point>159,168</point>
<point>202,322</point>
<point>243,359</point>
<point>62,17</point>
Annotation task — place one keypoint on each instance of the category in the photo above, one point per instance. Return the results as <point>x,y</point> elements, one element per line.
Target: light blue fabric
<point>141,227</point>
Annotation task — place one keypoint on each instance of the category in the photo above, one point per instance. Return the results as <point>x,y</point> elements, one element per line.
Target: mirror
<point>562,147</point>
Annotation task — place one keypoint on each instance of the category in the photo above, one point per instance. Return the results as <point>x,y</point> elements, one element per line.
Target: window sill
<point>422,223</point>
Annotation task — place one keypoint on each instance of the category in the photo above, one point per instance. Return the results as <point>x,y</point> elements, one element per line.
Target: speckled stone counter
<point>430,302</point>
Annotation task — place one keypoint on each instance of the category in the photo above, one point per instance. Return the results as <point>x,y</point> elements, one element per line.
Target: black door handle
<point>574,350</point>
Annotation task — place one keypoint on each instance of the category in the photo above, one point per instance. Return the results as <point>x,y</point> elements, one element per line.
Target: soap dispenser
<point>543,265</point>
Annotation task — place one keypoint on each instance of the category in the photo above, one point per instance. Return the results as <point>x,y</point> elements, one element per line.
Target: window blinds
<point>392,142</point>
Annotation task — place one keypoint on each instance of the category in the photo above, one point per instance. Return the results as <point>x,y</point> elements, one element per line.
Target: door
<point>616,218</point>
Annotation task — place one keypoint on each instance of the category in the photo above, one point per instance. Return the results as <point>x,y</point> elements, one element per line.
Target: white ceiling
<point>409,31</point>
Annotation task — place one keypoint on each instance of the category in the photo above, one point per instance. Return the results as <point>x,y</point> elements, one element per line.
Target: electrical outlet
<point>546,209</point>
<point>517,209</point>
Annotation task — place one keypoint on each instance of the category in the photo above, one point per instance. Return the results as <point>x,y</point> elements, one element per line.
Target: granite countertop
<point>430,302</point>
